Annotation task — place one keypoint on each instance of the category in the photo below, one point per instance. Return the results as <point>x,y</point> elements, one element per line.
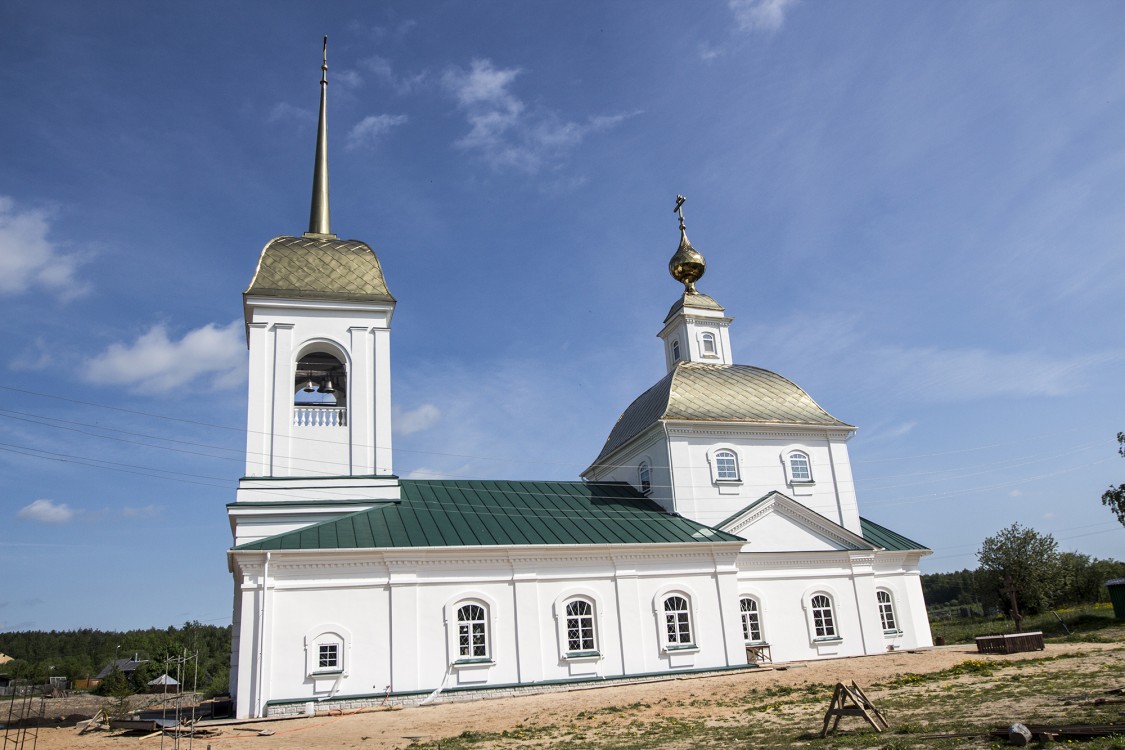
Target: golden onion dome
<point>687,265</point>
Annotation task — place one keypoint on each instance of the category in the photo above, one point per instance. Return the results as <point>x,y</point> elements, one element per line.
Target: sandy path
<point>381,729</point>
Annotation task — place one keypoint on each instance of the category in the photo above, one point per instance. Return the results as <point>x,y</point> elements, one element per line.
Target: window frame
<point>704,338</point>
<point>470,631</point>
<point>644,476</point>
<point>719,457</point>
<point>587,645</point>
<point>675,348</point>
<point>327,635</point>
<point>885,601</point>
<point>749,624</point>
<point>824,628</point>
<point>787,456</point>
<point>678,621</point>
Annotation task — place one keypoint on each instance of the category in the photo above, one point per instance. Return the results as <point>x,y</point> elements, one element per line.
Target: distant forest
<point>79,654</point>
<point>1074,579</point>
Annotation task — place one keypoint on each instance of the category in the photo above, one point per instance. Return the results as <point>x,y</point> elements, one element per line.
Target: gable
<point>778,523</point>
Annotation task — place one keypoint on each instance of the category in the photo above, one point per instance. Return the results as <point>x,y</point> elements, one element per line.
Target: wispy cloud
<point>501,128</point>
<point>402,83</point>
<point>760,15</point>
<point>155,363</point>
<point>29,260</point>
<point>147,511</point>
<point>35,357</point>
<point>289,114</point>
<point>416,420</point>
<point>46,511</point>
<point>370,129</point>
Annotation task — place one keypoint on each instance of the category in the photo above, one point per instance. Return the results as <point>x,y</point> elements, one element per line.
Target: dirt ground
<point>690,696</point>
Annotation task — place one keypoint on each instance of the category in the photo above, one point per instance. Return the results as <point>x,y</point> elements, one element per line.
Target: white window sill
<point>474,662</point>
<point>681,648</point>
<point>829,639</point>
<point>892,633</point>
<point>578,656</point>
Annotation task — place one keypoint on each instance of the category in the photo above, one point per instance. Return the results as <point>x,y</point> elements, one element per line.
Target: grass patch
<point>1088,624</point>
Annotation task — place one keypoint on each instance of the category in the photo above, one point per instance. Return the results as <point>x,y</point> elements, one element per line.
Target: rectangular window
<point>328,656</point>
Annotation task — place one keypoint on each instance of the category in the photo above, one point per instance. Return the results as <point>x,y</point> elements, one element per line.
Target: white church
<point>353,587</point>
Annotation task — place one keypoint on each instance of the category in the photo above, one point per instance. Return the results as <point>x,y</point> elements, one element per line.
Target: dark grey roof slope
<point>695,391</point>
<point>319,268</point>
<point>457,513</point>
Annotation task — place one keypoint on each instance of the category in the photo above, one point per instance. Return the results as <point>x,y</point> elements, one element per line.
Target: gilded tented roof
<point>319,268</point>
<point>699,392</point>
<point>463,512</point>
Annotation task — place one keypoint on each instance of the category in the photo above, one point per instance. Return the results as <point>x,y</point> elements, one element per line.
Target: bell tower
<point>318,424</point>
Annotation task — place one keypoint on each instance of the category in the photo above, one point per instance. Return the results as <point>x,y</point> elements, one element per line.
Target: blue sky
<point>912,210</point>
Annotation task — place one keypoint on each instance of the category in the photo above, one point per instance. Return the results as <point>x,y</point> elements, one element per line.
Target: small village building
<point>718,527</point>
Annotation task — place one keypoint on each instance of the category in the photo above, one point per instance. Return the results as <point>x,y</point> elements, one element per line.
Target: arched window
<point>320,384</point>
<point>326,651</point>
<point>675,350</point>
<point>726,466</point>
<point>886,611</point>
<point>677,621</point>
<point>644,476</point>
<point>751,624</point>
<point>580,627</point>
<point>824,619</point>
<point>707,345</point>
<point>472,632</point>
<point>799,468</point>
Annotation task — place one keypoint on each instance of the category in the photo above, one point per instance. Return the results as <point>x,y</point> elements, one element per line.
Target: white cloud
<point>503,131</point>
<point>38,356</point>
<point>368,130</point>
<point>1015,493</point>
<point>46,511</point>
<point>346,79</point>
<point>401,83</point>
<point>416,420</point>
<point>29,260</point>
<point>760,15</point>
<point>155,363</point>
<point>284,112</point>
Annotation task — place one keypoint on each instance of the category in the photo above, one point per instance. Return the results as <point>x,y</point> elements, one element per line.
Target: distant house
<point>125,666</point>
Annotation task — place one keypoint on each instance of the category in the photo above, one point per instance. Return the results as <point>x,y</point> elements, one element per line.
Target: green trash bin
<point>1117,596</point>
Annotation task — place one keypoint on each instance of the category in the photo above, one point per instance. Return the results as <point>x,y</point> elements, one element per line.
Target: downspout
<point>262,635</point>
<point>671,467</point>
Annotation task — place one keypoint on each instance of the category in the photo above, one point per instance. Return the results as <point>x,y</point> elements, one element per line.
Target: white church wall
<point>394,617</point>
<point>703,497</point>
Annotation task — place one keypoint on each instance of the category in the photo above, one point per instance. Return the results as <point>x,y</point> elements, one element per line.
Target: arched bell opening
<point>320,391</point>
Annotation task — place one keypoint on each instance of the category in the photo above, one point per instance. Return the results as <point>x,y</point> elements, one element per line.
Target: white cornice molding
<point>291,303</point>
<point>757,430</point>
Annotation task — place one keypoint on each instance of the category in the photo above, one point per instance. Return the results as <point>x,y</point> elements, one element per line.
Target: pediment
<point>778,523</point>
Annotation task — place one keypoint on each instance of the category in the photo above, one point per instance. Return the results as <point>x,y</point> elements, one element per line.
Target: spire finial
<point>319,221</point>
<point>687,265</point>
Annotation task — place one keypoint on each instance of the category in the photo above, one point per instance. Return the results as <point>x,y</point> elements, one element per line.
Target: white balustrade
<point>320,416</point>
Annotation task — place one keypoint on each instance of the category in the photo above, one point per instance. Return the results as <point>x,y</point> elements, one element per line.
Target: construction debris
<point>852,701</point>
<point>1061,732</point>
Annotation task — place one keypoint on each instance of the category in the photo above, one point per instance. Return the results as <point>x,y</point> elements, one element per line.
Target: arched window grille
<point>644,476</point>
<point>472,632</point>
<point>751,624</point>
<point>824,619</point>
<point>799,468</point>
<point>886,611</point>
<point>580,626</point>
<point>677,621</point>
<point>726,466</point>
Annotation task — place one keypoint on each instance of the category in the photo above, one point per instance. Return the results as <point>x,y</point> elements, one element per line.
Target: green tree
<point>1021,566</point>
<point>1114,497</point>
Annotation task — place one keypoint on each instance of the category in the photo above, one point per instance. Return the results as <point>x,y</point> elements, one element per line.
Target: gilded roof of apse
<point>695,391</point>
<point>319,268</point>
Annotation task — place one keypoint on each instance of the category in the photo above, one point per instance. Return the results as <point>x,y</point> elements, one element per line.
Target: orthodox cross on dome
<point>687,265</point>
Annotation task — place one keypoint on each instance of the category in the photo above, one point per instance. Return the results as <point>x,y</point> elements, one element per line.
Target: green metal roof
<point>458,513</point>
<point>886,538</point>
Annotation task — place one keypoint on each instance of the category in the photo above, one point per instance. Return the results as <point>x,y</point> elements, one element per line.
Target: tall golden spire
<point>319,221</point>
<point>687,265</point>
